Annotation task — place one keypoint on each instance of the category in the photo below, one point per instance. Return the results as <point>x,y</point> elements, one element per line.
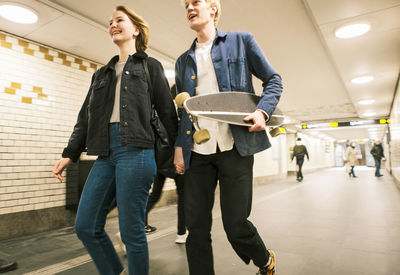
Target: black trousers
<point>155,196</point>
<point>235,176</point>
<point>299,162</point>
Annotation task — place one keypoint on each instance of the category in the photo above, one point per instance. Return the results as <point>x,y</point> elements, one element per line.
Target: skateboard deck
<point>228,107</point>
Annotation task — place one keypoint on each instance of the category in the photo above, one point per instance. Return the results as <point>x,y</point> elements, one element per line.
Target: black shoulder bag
<point>164,151</point>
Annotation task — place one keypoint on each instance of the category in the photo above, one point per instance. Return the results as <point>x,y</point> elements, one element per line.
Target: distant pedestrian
<point>299,151</point>
<point>351,158</point>
<point>377,153</point>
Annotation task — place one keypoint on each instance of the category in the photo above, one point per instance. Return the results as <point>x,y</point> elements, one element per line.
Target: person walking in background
<point>351,158</point>
<point>299,151</point>
<point>377,153</point>
<point>155,196</point>
<point>114,124</point>
<point>216,62</point>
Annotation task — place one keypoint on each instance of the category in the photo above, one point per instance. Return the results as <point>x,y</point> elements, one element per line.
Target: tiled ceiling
<point>296,35</point>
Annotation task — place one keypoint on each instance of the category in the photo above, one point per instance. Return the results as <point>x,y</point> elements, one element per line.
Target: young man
<point>377,153</point>
<point>299,151</point>
<point>218,62</point>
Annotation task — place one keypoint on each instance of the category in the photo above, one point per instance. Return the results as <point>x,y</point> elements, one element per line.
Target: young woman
<point>114,123</point>
<point>351,158</point>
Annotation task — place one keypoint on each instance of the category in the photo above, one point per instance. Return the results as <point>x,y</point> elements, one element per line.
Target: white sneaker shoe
<point>181,238</point>
<point>121,244</point>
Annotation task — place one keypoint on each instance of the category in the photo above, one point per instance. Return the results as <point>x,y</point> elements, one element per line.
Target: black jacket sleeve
<point>77,141</point>
<point>163,102</point>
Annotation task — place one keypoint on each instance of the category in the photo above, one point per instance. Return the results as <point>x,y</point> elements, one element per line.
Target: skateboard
<point>228,107</point>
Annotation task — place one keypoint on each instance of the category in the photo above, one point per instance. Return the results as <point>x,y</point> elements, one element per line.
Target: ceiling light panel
<point>352,30</point>
<point>18,13</point>
<point>362,79</point>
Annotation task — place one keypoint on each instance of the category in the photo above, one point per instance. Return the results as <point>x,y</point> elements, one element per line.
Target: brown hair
<point>142,39</point>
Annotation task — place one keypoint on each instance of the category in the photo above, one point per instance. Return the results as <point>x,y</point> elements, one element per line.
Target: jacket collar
<point>220,34</point>
<point>111,64</point>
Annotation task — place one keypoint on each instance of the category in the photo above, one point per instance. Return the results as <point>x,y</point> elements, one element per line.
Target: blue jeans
<point>377,167</point>
<point>125,176</point>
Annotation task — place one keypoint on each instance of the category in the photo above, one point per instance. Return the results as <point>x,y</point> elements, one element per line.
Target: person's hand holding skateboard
<point>258,117</point>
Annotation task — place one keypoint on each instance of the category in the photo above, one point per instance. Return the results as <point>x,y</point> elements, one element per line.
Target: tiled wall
<point>395,137</point>
<point>41,92</point>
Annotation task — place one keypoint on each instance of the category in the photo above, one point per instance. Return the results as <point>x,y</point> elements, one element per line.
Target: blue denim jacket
<point>236,56</point>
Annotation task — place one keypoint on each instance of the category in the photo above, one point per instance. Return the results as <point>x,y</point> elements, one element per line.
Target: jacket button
<point>126,72</point>
<point>125,88</point>
<point>188,132</point>
<point>124,106</point>
<point>125,123</point>
<point>193,77</point>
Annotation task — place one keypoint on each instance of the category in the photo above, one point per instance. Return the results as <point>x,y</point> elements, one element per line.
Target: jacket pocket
<point>238,73</point>
<point>98,92</point>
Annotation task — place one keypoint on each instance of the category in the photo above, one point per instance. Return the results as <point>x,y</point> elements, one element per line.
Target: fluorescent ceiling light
<point>362,79</point>
<point>18,13</point>
<point>366,102</point>
<point>352,30</point>
<point>368,114</point>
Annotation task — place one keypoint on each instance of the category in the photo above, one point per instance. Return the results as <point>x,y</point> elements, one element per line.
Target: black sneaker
<point>7,266</point>
<point>149,228</point>
<point>270,269</point>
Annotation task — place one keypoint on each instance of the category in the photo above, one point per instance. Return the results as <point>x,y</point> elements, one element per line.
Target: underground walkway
<point>327,224</point>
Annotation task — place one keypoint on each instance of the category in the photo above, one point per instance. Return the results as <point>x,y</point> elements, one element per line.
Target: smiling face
<point>121,29</point>
<point>199,13</point>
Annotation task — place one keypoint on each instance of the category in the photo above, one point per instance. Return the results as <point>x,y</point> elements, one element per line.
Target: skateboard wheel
<point>180,99</point>
<point>275,132</point>
<point>201,136</point>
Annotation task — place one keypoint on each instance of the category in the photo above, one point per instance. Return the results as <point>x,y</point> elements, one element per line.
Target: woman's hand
<point>178,161</point>
<point>59,168</point>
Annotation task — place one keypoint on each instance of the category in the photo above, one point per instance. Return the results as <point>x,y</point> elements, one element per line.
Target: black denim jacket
<point>91,129</point>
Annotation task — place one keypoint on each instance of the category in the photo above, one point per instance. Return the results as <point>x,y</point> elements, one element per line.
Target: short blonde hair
<point>217,3</point>
<point>142,40</point>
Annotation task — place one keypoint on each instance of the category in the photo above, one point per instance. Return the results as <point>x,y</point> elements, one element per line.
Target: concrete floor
<point>327,224</point>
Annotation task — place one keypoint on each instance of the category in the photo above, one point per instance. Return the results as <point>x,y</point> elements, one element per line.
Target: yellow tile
<point>23,43</point>
<point>26,100</point>
<point>37,89</point>
<point>62,55</point>
<point>83,68</point>
<point>48,57</point>
<point>6,44</point>
<point>93,66</point>
<point>10,91</point>
<point>28,51</point>
<point>78,61</point>
<point>15,85</point>
<point>42,96</point>
<point>2,36</point>
<point>67,63</point>
<point>43,50</point>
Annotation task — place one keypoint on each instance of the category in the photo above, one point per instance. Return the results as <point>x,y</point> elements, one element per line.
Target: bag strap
<point>146,70</point>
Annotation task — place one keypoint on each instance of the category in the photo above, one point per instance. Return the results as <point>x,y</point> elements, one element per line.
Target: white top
<point>115,115</point>
<point>207,84</point>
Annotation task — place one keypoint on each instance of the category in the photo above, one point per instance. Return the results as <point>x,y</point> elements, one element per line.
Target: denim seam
<point>95,223</point>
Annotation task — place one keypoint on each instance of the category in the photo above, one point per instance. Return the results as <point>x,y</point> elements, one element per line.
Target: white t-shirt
<point>115,115</point>
<point>207,84</point>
